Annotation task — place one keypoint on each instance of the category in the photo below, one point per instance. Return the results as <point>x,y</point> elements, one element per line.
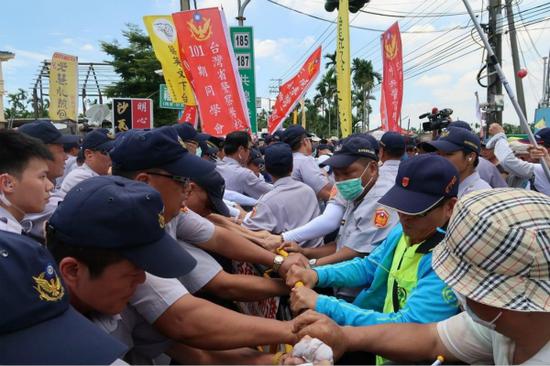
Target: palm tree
<point>363,80</point>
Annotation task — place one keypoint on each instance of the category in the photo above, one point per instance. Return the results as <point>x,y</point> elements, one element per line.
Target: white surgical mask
<point>464,304</point>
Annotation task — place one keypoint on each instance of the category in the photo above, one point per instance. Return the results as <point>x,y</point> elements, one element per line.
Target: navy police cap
<point>160,148</point>
<point>121,215</point>
<point>278,154</point>
<point>351,149</point>
<point>421,183</point>
<point>455,139</point>
<point>38,325</point>
<point>100,139</point>
<point>214,185</point>
<point>392,141</point>
<point>45,131</point>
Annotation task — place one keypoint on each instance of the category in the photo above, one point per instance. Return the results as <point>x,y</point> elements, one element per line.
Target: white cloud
<point>433,80</point>
<point>87,47</point>
<point>265,47</point>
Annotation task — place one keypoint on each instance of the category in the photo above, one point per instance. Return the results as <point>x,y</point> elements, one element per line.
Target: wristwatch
<point>277,261</point>
<point>312,262</point>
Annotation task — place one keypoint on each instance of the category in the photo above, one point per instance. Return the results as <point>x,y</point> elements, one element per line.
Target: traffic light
<point>354,5</point>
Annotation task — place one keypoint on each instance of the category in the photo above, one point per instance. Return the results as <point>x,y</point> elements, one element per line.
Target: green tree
<point>18,103</point>
<point>136,65</point>
<point>364,78</point>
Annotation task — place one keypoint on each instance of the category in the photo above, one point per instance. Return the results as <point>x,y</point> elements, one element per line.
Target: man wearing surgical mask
<point>365,223</point>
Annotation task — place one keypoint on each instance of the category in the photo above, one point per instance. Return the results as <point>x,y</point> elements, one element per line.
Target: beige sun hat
<point>497,249</point>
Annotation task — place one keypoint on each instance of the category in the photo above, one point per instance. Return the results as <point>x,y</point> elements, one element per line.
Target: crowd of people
<point>152,246</point>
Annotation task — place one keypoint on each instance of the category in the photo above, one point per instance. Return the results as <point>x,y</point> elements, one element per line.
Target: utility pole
<point>494,86</point>
<point>515,55</point>
<point>240,16</point>
<point>184,5</point>
<point>545,101</point>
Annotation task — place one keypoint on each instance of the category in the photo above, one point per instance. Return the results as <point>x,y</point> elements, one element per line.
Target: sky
<point>35,29</point>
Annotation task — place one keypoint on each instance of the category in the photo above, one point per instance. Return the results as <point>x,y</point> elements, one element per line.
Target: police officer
<point>305,169</point>
<point>38,325</point>
<point>71,149</point>
<point>54,140</point>
<point>518,167</point>
<point>392,149</point>
<point>462,148</point>
<point>237,178</point>
<point>486,169</point>
<point>365,223</point>
<point>189,136</point>
<point>275,211</point>
<point>24,186</point>
<point>95,147</point>
<point>156,157</point>
<point>103,267</point>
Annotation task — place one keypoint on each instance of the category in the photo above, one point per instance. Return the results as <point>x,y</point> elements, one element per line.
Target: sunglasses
<point>184,181</point>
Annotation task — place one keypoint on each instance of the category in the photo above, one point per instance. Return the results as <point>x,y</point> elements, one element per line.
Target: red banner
<point>293,90</point>
<point>209,64</point>
<point>189,115</point>
<point>392,81</point>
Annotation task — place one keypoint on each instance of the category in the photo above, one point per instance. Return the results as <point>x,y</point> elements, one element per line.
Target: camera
<point>437,119</point>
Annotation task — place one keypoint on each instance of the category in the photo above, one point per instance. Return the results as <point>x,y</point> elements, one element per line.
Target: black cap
<point>351,149</point>
<point>455,139</point>
<point>421,183</point>
<point>45,131</point>
<point>278,154</point>
<point>38,325</point>
<point>159,148</point>
<point>214,185</point>
<point>122,215</point>
<point>100,139</point>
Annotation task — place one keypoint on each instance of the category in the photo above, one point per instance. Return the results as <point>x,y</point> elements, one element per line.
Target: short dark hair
<point>96,259</point>
<point>234,140</point>
<point>279,171</point>
<point>17,149</point>
<point>395,153</point>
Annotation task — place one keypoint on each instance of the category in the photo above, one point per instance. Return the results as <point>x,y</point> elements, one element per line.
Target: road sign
<point>165,101</point>
<point>242,39</point>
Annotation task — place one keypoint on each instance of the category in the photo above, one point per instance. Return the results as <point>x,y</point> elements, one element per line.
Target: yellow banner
<point>63,87</point>
<point>165,43</point>
<point>303,106</point>
<point>343,78</point>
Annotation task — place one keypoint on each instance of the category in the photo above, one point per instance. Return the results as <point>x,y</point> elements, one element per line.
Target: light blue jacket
<point>430,301</point>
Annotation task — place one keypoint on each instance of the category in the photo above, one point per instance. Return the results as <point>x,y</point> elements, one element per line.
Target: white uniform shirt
<point>472,183</point>
<point>473,343</point>
<point>240,179</point>
<point>306,170</point>
<point>289,205</point>
<point>70,165</point>
<point>9,223</point>
<point>78,175</point>
<point>189,229</point>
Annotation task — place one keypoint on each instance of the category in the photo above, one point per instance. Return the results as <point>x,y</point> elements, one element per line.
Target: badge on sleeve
<point>381,218</point>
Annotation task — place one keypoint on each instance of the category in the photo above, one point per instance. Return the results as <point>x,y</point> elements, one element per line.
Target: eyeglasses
<point>182,180</point>
<point>103,152</point>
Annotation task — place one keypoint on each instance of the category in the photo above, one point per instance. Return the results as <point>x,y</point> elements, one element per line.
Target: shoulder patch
<point>381,218</point>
